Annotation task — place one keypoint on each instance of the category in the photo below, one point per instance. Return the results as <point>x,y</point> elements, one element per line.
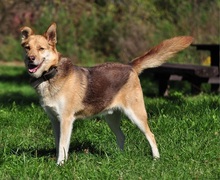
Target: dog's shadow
<point>76,147</point>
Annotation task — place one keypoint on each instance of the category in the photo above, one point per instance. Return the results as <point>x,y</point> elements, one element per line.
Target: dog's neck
<point>35,82</point>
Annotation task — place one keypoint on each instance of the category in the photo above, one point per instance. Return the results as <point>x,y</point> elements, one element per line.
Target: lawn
<point>187,130</point>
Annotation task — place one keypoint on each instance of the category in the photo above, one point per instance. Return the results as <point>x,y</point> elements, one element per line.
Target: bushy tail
<point>160,53</point>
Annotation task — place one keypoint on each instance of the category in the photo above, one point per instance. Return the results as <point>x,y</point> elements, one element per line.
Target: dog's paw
<point>155,158</point>
<point>60,162</point>
<point>156,154</point>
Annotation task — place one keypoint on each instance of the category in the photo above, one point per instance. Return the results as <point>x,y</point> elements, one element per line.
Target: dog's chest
<point>50,100</point>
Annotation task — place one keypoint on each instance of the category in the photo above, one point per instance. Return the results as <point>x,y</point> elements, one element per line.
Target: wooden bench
<point>214,50</point>
<point>195,74</point>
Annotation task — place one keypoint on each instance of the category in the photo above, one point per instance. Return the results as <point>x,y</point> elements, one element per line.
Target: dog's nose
<point>32,58</point>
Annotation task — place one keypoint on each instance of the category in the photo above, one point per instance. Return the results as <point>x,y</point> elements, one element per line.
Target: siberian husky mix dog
<point>68,92</point>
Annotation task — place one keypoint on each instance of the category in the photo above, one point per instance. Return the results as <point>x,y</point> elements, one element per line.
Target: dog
<point>68,92</point>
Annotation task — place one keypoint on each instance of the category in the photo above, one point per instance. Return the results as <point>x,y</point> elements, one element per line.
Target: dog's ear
<point>51,34</point>
<point>26,32</point>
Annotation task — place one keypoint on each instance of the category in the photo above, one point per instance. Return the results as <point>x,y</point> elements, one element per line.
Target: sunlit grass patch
<point>187,131</point>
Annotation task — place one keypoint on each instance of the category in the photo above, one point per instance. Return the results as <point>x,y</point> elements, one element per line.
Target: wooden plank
<point>186,69</point>
<point>214,80</point>
<point>204,72</point>
<point>175,78</point>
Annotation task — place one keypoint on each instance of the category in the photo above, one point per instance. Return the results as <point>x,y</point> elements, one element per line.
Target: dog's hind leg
<point>137,114</point>
<point>114,121</point>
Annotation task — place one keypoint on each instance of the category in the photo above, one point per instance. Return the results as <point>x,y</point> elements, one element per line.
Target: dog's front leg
<point>64,141</point>
<point>55,125</point>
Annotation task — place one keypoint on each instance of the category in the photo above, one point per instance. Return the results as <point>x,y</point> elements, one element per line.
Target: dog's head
<point>40,50</point>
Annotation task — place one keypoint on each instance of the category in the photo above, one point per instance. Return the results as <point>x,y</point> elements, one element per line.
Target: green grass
<point>187,131</point>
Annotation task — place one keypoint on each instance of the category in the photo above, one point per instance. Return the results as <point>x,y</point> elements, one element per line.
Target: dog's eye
<point>27,47</point>
<point>41,49</point>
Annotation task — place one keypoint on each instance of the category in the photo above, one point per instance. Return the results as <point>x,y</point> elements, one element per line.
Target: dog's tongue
<point>33,70</point>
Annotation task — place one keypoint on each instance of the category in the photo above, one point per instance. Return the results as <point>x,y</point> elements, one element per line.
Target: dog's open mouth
<point>32,68</point>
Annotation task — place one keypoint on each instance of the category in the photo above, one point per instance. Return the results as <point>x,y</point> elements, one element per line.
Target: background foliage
<point>94,31</point>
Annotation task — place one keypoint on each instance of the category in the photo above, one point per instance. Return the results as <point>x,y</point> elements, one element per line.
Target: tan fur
<point>76,92</point>
<point>162,52</point>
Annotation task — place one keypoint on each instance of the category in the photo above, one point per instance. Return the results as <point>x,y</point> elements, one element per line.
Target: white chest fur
<point>51,101</point>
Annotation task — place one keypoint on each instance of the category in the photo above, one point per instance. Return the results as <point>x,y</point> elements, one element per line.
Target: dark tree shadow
<point>8,99</point>
<point>19,98</point>
<point>16,79</point>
